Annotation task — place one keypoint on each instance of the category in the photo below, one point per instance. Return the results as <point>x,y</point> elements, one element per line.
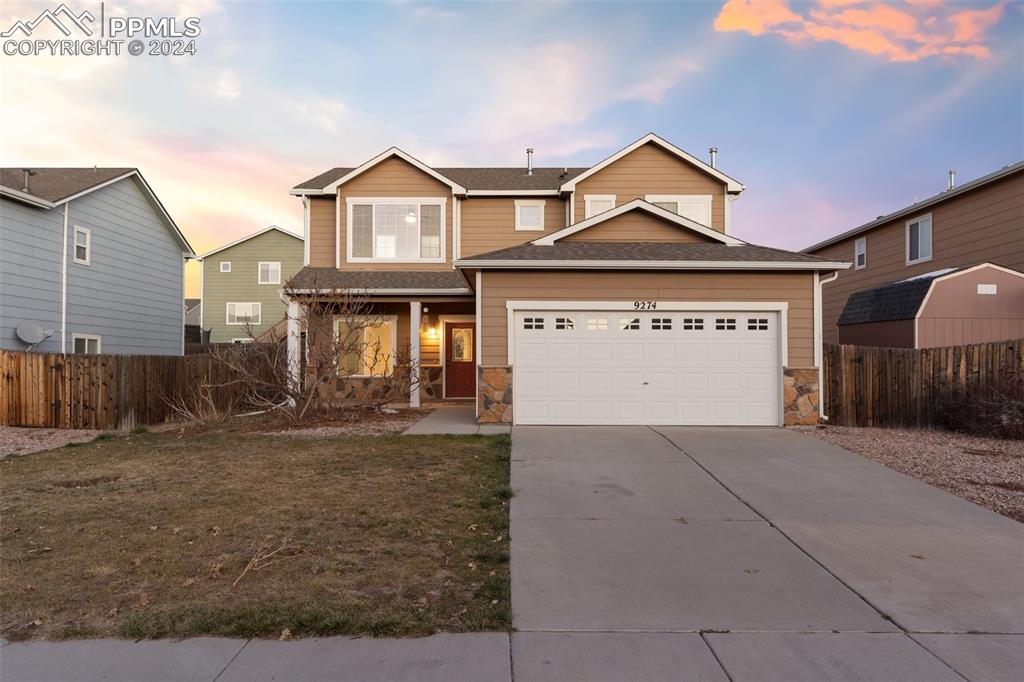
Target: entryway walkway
<point>454,420</point>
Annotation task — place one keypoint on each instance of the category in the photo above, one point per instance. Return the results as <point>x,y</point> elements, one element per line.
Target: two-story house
<point>90,262</point>
<point>613,294</point>
<point>943,271</point>
<point>242,281</point>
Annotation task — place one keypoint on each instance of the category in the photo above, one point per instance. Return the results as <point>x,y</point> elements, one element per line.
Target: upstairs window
<point>696,207</point>
<point>225,266</point>
<point>270,273</point>
<point>598,203</point>
<point>530,215</point>
<point>83,245</point>
<point>919,239</point>
<point>860,253</point>
<point>401,230</point>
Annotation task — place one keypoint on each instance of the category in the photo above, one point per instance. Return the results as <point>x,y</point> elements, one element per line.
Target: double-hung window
<point>399,230</point>
<point>696,207</point>
<point>919,239</point>
<point>860,253</point>
<point>270,272</point>
<point>244,313</point>
<point>597,203</point>
<point>83,245</point>
<point>530,215</point>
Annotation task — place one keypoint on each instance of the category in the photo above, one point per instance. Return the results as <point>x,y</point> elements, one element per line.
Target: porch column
<point>414,352</point>
<point>294,343</point>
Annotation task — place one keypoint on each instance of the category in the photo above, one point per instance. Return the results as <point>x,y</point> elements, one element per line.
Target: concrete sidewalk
<point>441,658</point>
<point>454,420</point>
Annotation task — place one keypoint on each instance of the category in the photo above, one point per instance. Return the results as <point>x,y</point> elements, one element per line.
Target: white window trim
<point>931,239</point>
<point>227,263</point>
<point>677,198</point>
<point>259,271</point>
<point>88,245</point>
<point>393,319</point>
<point>860,246</point>
<point>242,339</point>
<point>87,338</point>
<point>433,201</point>
<point>587,198</point>
<point>530,202</point>
<point>227,314</point>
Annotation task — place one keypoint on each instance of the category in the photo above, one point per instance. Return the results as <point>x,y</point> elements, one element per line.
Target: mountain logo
<point>53,17</point>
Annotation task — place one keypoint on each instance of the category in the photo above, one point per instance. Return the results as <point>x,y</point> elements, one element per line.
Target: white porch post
<point>414,352</point>
<point>294,343</point>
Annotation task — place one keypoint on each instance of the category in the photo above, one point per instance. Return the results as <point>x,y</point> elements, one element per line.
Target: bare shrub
<point>200,407</point>
<point>996,410</point>
<point>336,345</point>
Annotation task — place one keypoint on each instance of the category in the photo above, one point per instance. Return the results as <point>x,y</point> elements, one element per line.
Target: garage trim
<point>781,307</point>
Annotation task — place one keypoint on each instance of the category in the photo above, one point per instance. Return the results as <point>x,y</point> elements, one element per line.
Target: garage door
<point>615,367</point>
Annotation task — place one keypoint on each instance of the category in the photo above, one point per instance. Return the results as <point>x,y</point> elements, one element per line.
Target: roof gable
<point>332,187</point>
<point>733,186</point>
<point>674,219</point>
<point>254,235</point>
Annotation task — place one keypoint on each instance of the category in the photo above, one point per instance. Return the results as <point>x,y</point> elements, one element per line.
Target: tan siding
<point>395,178</point>
<point>321,232</point>
<point>986,224</point>
<point>652,170</point>
<point>489,223</point>
<point>956,315</point>
<point>636,226</point>
<point>501,286</point>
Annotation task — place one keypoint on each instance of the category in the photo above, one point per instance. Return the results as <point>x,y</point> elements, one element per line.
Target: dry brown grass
<point>144,536</point>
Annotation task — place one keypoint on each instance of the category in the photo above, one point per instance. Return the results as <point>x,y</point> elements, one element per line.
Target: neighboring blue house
<point>90,262</point>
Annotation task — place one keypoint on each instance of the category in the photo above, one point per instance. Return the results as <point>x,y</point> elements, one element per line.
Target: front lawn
<point>150,535</point>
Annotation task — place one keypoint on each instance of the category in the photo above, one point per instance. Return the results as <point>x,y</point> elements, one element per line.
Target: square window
<point>597,324</point>
<point>85,344</point>
<point>270,273</point>
<point>725,324</point>
<point>566,323</point>
<point>661,323</point>
<point>757,324</point>
<point>366,348</point>
<point>629,323</point>
<point>693,324</point>
<point>530,215</point>
<point>225,266</point>
<point>533,323</point>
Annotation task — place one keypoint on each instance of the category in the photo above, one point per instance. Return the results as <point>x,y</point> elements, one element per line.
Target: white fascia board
<point>332,188</point>
<point>305,192</point>
<point>642,205</point>
<point>645,265</point>
<point>513,193</point>
<point>248,237</point>
<point>387,292</point>
<point>732,185</point>
<point>25,198</point>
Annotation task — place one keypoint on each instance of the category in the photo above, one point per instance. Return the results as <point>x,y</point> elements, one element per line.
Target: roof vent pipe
<point>529,160</point>
<point>28,173</point>
<point>714,157</point>
<point>952,179</point>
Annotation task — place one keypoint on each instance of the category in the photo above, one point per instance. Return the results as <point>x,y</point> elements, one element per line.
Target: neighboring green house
<point>242,281</point>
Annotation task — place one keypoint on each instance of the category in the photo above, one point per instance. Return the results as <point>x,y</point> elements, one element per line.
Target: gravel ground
<point>986,471</point>
<point>16,440</point>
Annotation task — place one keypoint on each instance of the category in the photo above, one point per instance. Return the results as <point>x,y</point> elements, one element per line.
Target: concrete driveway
<point>694,553</point>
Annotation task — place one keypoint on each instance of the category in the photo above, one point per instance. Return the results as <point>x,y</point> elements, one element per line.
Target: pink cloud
<point>917,29</point>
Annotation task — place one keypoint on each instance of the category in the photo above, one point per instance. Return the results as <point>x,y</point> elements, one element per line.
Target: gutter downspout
<point>819,349</point>
<point>64,284</point>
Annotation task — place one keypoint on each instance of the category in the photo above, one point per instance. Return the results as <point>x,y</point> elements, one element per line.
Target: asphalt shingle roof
<point>55,184</point>
<point>332,278</point>
<point>645,251</point>
<point>475,178</point>
<point>895,301</point>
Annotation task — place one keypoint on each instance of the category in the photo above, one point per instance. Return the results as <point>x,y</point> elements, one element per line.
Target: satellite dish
<point>30,333</point>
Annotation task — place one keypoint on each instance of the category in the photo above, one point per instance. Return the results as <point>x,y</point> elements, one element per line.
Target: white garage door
<point>624,367</point>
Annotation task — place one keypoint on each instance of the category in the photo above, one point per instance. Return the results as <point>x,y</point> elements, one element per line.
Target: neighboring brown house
<point>949,307</point>
<point>981,221</point>
<point>613,294</point>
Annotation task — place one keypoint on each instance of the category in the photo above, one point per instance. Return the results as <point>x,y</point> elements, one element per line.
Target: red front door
<point>460,360</point>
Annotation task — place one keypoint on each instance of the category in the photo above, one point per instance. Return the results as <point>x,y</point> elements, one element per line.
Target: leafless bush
<point>996,410</point>
<point>340,342</point>
<point>200,407</point>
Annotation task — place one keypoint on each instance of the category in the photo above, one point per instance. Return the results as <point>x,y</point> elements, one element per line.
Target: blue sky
<point>831,112</point>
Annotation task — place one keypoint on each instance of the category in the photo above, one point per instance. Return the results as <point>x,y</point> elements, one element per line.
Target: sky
<point>831,112</point>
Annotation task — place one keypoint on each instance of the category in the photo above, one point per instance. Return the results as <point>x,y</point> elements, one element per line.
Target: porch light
<point>432,332</point>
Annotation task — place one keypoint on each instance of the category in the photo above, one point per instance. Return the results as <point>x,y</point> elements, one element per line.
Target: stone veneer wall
<point>800,396</point>
<point>431,383</point>
<point>495,394</point>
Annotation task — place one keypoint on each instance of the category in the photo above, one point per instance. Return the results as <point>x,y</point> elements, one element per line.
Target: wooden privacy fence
<point>907,387</point>
<point>103,391</point>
